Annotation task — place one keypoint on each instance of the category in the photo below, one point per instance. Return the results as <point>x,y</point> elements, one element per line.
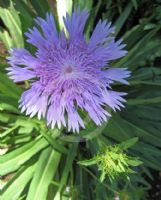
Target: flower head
<point>114,161</point>
<point>68,73</point>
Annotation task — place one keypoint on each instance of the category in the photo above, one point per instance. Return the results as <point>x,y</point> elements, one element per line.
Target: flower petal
<point>100,34</point>
<point>18,74</point>
<point>33,101</point>
<point>75,24</point>
<point>48,27</point>
<point>114,99</point>
<point>118,74</point>
<point>21,57</point>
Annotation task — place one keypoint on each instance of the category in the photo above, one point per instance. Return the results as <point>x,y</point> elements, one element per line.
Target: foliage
<point>40,163</point>
<point>113,161</point>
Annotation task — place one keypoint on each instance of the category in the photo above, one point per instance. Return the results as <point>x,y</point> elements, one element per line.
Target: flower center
<point>69,70</point>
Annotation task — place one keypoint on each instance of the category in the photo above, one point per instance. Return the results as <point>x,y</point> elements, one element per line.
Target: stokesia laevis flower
<point>68,73</point>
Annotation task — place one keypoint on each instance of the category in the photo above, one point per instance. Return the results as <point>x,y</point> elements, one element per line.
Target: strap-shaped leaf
<point>7,87</point>
<point>13,160</point>
<point>12,22</point>
<point>67,167</point>
<point>14,189</point>
<point>46,169</point>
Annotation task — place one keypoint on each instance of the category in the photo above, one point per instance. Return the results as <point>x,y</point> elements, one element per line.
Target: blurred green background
<point>38,163</point>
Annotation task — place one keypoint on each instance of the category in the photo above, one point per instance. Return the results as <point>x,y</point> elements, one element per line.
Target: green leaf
<point>133,53</point>
<point>88,162</point>
<point>8,103</point>
<point>92,132</point>
<point>8,131</point>
<point>128,143</point>
<point>7,40</point>
<point>26,14</point>
<point>135,4</point>
<point>132,36</point>
<point>116,130</point>
<point>14,159</point>
<point>154,100</point>
<point>9,88</point>
<point>54,143</point>
<point>145,73</point>
<point>123,17</point>
<point>12,22</point>
<point>41,7</point>
<point>46,169</point>
<point>85,4</point>
<point>69,161</point>
<point>134,162</point>
<point>143,134</point>
<point>21,179</point>
<point>102,177</point>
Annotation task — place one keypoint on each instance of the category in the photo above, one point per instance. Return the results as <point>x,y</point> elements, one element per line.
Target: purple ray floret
<point>68,73</point>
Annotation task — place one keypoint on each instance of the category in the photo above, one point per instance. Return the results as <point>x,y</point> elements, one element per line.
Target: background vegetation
<point>38,163</point>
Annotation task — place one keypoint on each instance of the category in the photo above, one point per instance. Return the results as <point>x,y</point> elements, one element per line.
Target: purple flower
<point>68,73</point>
